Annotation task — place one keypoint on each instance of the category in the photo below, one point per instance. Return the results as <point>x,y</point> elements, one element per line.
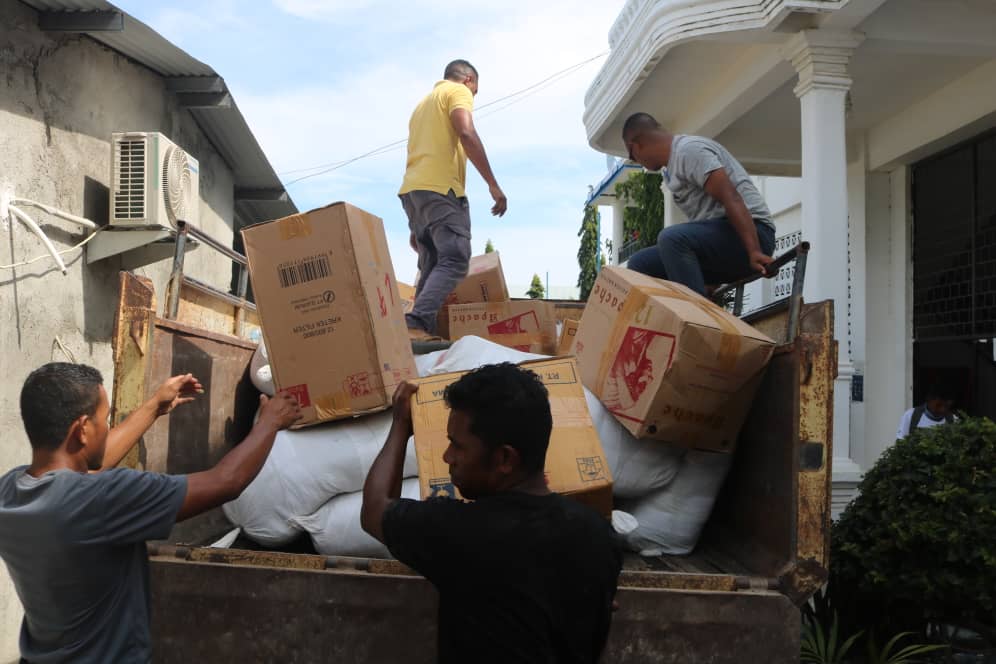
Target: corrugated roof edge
<point>137,41</point>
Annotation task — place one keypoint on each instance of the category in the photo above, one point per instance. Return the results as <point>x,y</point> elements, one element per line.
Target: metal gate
<point>954,271</point>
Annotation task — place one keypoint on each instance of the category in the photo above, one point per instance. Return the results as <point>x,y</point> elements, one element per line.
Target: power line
<point>520,95</point>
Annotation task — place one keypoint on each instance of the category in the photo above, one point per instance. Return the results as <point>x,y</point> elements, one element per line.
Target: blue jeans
<point>697,253</point>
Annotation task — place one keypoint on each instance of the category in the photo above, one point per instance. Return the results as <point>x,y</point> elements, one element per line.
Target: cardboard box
<point>568,333</point>
<point>526,325</point>
<point>330,310</point>
<point>670,364</point>
<point>575,463</point>
<point>485,282</point>
<point>407,294</point>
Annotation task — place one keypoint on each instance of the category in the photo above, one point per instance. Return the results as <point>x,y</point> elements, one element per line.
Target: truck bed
<point>733,599</point>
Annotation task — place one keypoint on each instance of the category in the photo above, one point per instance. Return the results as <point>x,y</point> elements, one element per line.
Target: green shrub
<point>918,544</point>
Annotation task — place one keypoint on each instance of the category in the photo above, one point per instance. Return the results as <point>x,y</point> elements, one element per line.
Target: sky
<point>323,81</point>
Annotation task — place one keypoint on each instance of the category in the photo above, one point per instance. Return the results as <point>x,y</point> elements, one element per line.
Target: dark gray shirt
<point>692,159</point>
<point>74,544</point>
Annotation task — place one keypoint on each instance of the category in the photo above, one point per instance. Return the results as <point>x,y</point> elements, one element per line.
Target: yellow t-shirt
<point>436,160</point>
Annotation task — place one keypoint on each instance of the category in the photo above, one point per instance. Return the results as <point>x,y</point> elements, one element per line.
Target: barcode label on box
<point>304,270</point>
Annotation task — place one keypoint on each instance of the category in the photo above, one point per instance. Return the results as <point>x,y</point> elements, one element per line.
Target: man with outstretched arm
<point>523,574</point>
<point>729,234</point>
<point>441,137</point>
<point>73,527</point>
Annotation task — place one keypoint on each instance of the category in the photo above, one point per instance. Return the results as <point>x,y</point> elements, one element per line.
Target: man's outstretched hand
<point>176,391</point>
<point>501,203</point>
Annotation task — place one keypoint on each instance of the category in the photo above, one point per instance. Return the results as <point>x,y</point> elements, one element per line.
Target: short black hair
<point>639,123</point>
<point>459,69</point>
<point>53,396</point>
<point>508,405</point>
<point>939,391</point>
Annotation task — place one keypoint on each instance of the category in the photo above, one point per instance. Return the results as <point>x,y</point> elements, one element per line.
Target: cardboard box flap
<point>689,305</point>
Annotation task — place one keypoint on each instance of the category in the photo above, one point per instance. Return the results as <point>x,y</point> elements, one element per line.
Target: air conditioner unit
<point>153,182</point>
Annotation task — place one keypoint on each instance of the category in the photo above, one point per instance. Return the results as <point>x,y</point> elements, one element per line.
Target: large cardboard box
<point>330,310</point>
<point>485,282</point>
<point>575,463</point>
<point>568,333</point>
<point>526,325</point>
<point>670,364</point>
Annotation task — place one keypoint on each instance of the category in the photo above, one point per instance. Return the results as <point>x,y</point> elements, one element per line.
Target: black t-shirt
<point>521,578</point>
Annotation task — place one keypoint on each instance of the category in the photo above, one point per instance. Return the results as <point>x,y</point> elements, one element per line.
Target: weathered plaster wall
<point>61,96</point>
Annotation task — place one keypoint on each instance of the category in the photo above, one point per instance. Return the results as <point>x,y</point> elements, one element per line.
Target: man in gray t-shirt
<point>730,235</point>
<point>73,537</point>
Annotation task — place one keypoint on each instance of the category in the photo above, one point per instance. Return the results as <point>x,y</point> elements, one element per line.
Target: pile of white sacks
<point>313,478</point>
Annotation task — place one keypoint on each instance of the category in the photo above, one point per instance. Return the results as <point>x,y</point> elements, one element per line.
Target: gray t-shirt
<point>74,544</point>
<point>692,159</point>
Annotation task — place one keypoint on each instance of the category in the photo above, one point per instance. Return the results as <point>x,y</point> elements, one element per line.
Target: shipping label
<point>303,270</point>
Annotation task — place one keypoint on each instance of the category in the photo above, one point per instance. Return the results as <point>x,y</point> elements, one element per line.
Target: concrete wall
<point>61,96</point>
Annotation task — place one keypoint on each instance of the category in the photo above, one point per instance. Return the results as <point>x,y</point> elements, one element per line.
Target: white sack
<point>638,466</point>
<point>671,519</point>
<point>259,370</point>
<point>425,362</point>
<point>305,469</point>
<point>335,528</point>
<point>471,352</point>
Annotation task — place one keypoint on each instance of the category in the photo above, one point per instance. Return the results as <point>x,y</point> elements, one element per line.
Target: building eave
<point>646,30</point>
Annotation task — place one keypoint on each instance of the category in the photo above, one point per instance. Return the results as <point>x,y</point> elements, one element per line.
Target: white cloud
<point>327,111</point>
<point>185,27</point>
<point>320,9</point>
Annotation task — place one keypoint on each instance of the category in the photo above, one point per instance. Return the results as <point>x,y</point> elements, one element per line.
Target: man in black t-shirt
<point>524,575</point>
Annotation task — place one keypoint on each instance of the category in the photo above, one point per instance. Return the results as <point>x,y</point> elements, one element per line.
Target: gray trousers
<point>441,225</point>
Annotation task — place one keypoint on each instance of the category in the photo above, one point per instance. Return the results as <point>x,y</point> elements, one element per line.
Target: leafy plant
<point>820,647</point>
<point>918,544</point>
<point>488,246</point>
<point>536,290</point>
<point>907,655</point>
<point>643,216</point>
<point>589,251</point>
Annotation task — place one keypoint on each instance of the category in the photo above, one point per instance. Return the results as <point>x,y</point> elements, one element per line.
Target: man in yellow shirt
<point>441,136</point>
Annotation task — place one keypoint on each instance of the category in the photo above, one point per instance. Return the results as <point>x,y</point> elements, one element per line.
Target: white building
<point>885,109</point>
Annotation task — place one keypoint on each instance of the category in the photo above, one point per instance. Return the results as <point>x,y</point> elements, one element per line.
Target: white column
<point>672,213</point>
<point>821,57</point>
<point>617,229</point>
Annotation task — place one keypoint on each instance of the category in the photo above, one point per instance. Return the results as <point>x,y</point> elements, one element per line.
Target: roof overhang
<point>259,194</point>
<point>646,31</point>
<point>718,68</point>
<point>605,192</point>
